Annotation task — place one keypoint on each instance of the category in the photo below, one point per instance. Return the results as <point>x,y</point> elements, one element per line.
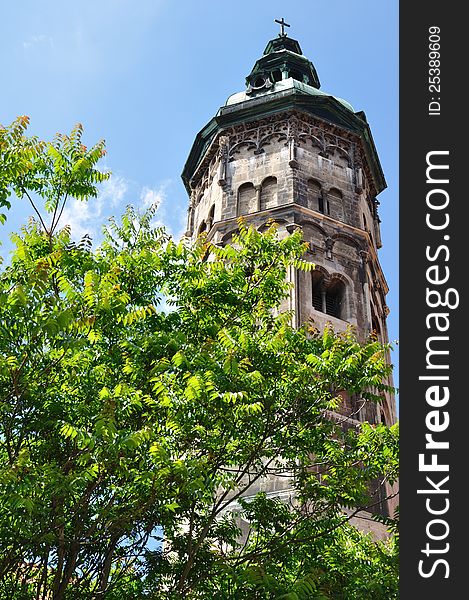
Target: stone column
<point>258,189</point>
<point>323,301</point>
<point>223,157</point>
<point>365,256</point>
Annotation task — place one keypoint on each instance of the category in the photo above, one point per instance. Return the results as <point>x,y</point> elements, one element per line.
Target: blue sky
<point>146,75</point>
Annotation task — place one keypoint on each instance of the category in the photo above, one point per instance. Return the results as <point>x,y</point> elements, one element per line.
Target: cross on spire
<point>282,24</point>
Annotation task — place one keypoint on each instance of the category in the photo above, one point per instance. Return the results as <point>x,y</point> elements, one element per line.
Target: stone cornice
<point>326,109</point>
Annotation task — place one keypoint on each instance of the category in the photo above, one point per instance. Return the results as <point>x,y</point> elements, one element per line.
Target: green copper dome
<point>281,81</point>
<point>282,68</point>
<point>282,59</point>
<point>282,86</point>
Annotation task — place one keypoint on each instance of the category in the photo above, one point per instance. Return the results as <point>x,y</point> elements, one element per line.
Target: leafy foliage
<point>53,171</point>
<point>122,423</point>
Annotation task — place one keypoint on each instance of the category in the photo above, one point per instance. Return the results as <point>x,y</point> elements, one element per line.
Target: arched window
<point>315,199</point>
<point>318,291</point>
<point>259,81</point>
<point>202,227</point>
<point>269,193</point>
<point>383,417</point>
<point>335,193</point>
<point>211,217</point>
<point>375,327</point>
<point>335,295</point>
<point>246,199</point>
<point>328,295</point>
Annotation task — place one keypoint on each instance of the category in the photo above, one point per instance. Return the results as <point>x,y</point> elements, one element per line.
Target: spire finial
<point>282,24</point>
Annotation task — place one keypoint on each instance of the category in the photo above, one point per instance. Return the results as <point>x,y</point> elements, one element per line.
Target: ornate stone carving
<point>223,149</point>
<point>292,152</point>
<point>257,137</point>
<point>365,256</point>
<point>292,227</point>
<point>329,244</point>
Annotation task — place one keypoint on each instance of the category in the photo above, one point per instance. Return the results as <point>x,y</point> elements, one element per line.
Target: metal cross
<point>282,25</point>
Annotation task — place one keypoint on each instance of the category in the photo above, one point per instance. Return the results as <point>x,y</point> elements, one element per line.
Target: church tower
<point>284,150</point>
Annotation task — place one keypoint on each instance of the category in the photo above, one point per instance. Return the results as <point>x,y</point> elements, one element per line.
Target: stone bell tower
<point>285,150</point>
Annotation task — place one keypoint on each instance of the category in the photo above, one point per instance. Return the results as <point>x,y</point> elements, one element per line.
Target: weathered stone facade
<point>286,152</point>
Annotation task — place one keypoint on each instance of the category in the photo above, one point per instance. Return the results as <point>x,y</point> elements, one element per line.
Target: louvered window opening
<point>333,305</point>
<point>317,301</point>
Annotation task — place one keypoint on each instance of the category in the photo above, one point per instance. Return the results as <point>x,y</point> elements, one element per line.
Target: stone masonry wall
<point>300,172</point>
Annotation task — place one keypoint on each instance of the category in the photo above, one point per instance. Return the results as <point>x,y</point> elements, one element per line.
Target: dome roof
<point>283,80</point>
<point>282,69</point>
<point>282,86</point>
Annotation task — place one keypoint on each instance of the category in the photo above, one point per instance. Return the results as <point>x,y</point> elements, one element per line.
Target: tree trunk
<point>107,566</point>
<point>68,571</point>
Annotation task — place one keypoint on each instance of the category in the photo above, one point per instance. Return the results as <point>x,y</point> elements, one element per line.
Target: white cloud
<point>36,40</point>
<point>151,197</point>
<point>168,216</point>
<point>155,197</point>
<point>78,215</point>
<point>114,190</point>
<point>89,217</point>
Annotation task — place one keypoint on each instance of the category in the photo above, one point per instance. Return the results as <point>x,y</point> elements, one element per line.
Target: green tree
<point>128,432</point>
